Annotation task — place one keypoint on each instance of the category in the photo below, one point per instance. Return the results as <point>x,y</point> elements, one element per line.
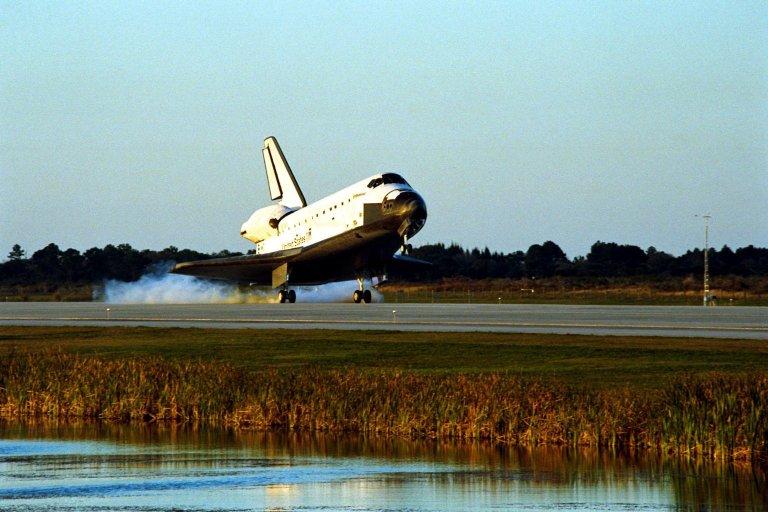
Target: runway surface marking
<point>382,322</point>
<point>730,322</point>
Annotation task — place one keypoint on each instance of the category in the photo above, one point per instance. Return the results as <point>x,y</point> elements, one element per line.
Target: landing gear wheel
<point>357,296</point>
<point>282,296</point>
<point>291,296</point>
<point>367,296</point>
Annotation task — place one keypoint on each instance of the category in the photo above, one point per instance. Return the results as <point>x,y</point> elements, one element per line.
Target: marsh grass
<point>708,416</point>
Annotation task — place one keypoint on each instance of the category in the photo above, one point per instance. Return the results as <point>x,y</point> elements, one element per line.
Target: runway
<point>722,322</point>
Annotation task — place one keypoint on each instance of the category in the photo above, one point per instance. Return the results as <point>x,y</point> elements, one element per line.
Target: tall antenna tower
<point>707,297</point>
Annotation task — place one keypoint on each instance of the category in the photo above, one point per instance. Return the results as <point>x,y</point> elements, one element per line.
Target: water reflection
<point>90,466</point>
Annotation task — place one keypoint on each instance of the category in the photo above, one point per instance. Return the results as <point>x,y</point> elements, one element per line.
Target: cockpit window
<point>393,178</point>
<point>388,177</point>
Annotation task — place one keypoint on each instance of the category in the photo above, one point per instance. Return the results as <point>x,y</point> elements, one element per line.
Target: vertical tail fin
<point>282,184</point>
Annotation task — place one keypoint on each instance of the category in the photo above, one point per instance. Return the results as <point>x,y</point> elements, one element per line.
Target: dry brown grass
<point>729,290</point>
<point>712,416</point>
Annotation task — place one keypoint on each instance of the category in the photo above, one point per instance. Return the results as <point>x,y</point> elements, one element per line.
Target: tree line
<point>52,265</point>
<point>605,259</point>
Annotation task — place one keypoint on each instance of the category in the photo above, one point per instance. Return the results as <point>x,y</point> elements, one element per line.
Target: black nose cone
<point>410,207</point>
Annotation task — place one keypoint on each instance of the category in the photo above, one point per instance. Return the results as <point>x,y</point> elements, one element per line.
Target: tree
<point>543,260</point>
<point>612,259</point>
<point>73,265</point>
<point>17,269</point>
<point>753,260</point>
<point>47,263</point>
<point>95,264</point>
<point>514,264</point>
<point>658,262</point>
<point>17,253</point>
<point>692,262</point>
<point>723,262</point>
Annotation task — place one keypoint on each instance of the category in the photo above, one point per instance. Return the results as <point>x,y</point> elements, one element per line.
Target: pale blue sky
<point>518,122</point>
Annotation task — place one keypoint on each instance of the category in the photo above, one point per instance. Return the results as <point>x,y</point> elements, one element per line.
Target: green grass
<point>594,361</point>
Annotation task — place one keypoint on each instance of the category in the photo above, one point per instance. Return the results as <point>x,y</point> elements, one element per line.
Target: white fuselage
<point>329,217</point>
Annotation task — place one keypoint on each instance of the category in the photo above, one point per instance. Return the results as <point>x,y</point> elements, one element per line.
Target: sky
<point>519,122</point>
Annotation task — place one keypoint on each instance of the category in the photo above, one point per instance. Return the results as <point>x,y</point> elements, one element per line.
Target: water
<point>97,467</point>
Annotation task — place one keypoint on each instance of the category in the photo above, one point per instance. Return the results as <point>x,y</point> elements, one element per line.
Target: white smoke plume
<point>159,287</point>
<point>334,292</point>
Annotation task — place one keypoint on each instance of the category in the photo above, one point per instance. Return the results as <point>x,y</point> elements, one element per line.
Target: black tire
<point>282,296</point>
<point>291,296</point>
<point>357,296</point>
<point>367,296</point>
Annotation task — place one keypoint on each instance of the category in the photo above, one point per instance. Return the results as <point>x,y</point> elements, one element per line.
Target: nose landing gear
<point>405,247</point>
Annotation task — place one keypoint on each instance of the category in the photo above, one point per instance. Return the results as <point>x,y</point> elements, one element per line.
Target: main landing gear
<point>286,296</point>
<point>361,295</point>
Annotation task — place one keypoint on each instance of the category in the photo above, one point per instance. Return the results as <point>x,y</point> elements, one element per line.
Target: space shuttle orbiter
<point>359,232</point>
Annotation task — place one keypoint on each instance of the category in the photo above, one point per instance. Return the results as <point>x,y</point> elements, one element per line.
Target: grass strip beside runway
<point>592,361</point>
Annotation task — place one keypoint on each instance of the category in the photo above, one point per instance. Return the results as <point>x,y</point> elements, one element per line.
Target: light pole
<point>706,218</point>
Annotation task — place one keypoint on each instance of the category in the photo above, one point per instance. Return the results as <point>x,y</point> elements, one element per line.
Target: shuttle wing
<point>251,268</point>
<point>328,261</point>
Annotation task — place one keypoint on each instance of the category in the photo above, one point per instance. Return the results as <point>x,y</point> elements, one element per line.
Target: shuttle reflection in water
<point>92,467</point>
